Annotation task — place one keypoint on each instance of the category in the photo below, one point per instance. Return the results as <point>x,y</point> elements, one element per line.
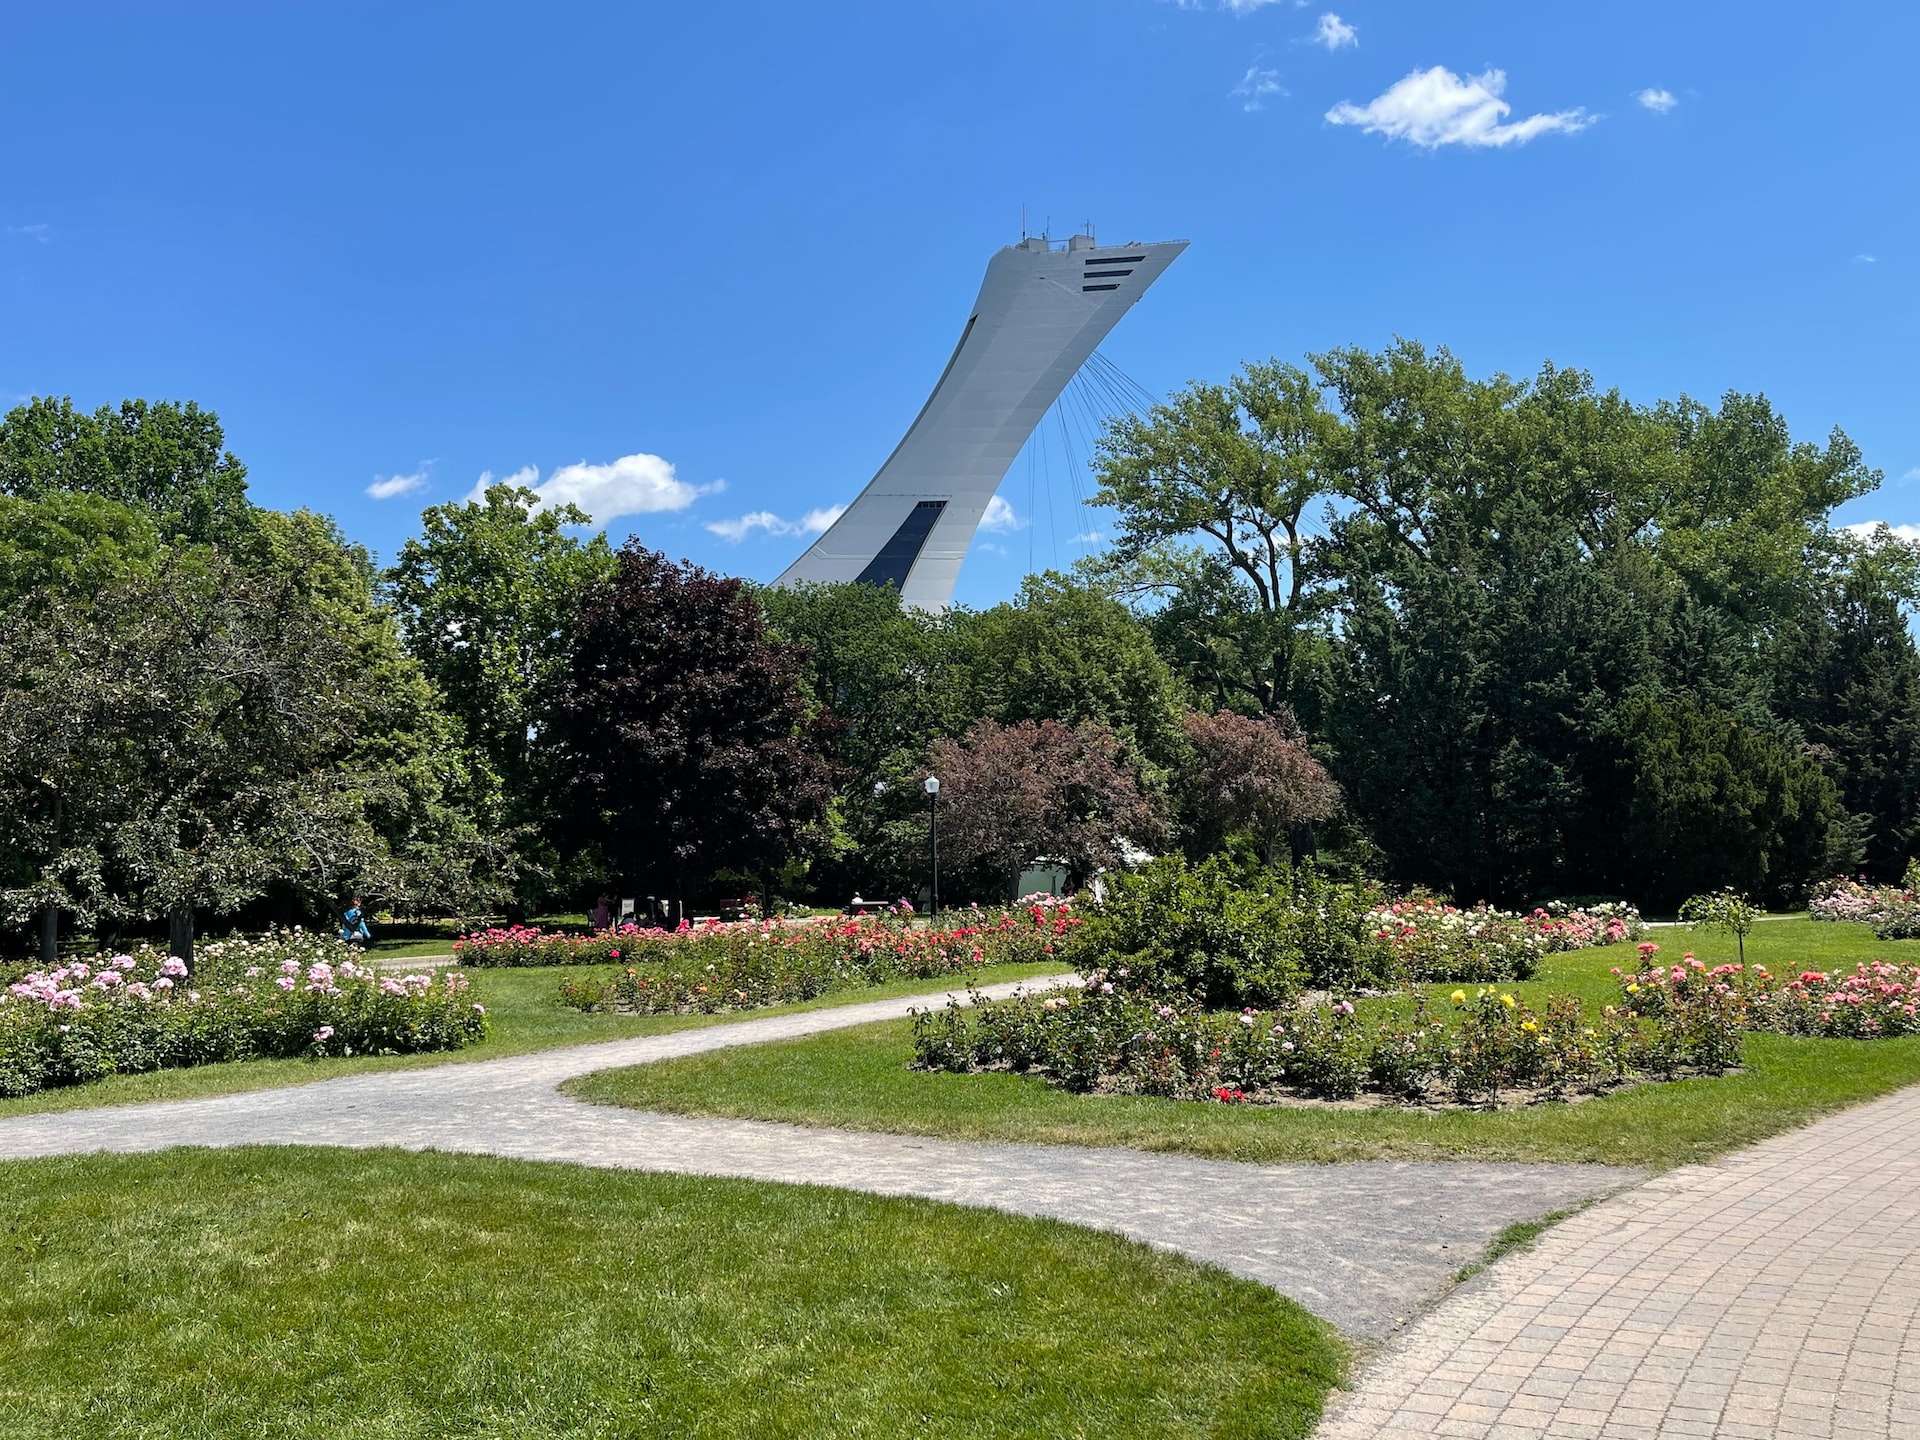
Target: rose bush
<point>1875,1000</point>
<point>745,964</point>
<point>288,994</point>
<point>1892,910</point>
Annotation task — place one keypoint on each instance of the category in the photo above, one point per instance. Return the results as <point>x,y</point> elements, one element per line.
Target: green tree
<point>1070,652</point>
<point>160,458</point>
<point>197,735</point>
<point>1213,490</point>
<point>70,544</point>
<point>1850,679</point>
<point>1701,802</point>
<point>486,599</point>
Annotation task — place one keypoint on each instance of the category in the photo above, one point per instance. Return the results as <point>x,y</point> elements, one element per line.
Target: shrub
<point>746,964</point>
<point>289,994</point>
<point>1202,933</point>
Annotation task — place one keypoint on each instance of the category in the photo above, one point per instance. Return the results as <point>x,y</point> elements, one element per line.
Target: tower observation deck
<point>1040,314</point>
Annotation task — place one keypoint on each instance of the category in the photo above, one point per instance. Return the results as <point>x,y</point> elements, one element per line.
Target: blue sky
<point>707,259</point>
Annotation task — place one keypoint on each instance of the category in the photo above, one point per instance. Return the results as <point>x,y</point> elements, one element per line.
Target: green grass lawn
<point>275,1292</point>
<point>523,1013</point>
<point>859,1079</point>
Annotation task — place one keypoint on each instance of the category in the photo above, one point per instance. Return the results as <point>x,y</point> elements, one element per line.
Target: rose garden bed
<point>289,994</point>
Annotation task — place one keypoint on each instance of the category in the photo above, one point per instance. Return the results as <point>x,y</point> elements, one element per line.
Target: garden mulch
<point>1364,1245</point>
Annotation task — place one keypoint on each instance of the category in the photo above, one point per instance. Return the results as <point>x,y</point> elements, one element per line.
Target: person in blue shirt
<point>353,925</point>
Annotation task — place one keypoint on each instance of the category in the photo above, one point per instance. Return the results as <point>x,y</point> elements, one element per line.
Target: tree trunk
<point>180,934</point>
<point>49,935</point>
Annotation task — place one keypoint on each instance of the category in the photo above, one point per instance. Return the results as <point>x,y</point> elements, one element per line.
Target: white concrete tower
<point>1041,312</point>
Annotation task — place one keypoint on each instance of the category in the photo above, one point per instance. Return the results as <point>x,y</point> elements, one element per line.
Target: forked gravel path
<point>1363,1245</point>
<point>1775,1293</point>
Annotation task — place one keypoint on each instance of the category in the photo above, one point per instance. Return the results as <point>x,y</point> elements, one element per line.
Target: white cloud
<point>1870,530</point>
<point>1431,108</point>
<point>1333,32</point>
<point>1911,476</point>
<point>1000,516</point>
<point>1256,85</point>
<point>1657,100</point>
<point>42,233</point>
<point>811,523</point>
<point>1247,7</point>
<point>632,485</point>
<point>1089,537</point>
<point>1866,259</point>
<point>385,487</point>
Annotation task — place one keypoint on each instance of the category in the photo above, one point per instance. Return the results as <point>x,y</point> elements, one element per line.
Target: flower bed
<point>1892,910</point>
<point>742,965</point>
<point>1874,1001</point>
<point>1426,939</point>
<point>1482,1047</point>
<point>289,994</point>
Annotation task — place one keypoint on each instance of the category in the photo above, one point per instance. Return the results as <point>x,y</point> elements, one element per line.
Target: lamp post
<point>932,788</point>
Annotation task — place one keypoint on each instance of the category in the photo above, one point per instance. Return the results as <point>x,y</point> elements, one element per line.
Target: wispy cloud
<point>1333,32</point>
<point>637,484</point>
<point>1911,476</point>
<point>1866,259</point>
<point>1000,516</point>
<point>811,523</point>
<point>42,233</point>
<point>1431,108</point>
<point>1247,7</point>
<point>1657,100</point>
<point>1089,537</point>
<point>1255,86</point>
<point>385,487</point>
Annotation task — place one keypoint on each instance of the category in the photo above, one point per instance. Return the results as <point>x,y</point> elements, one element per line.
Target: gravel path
<point>1363,1245</point>
<point>1775,1293</point>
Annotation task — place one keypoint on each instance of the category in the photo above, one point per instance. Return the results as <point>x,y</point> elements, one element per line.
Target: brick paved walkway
<point>1775,1293</point>
<point>1363,1245</point>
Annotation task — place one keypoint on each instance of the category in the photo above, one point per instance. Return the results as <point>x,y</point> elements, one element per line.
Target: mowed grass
<point>859,1079</point>
<point>281,1292</point>
<point>524,1013</point>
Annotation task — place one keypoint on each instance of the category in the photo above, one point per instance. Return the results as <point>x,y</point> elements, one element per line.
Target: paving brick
<point>1773,1294</point>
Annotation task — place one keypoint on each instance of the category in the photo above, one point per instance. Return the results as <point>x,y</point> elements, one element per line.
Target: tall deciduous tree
<point>166,460</point>
<point>195,736</point>
<point>486,598</point>
<point>1013,793</point>
<point>1213,491</point>
<point>689,743</point>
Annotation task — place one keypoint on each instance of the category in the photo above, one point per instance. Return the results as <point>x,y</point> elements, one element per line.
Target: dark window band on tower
<point>1099,287</point>
<point>895,561</point>
<point>1116,260</point>
<point>1103,274</point>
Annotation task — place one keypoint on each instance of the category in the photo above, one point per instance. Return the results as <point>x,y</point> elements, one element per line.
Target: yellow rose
<point>1508,1001</point>
<point>1459,997</point>
<point>1528,1025</point>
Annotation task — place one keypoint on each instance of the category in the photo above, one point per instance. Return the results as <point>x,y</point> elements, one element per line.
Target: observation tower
<point>1041,312</point>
